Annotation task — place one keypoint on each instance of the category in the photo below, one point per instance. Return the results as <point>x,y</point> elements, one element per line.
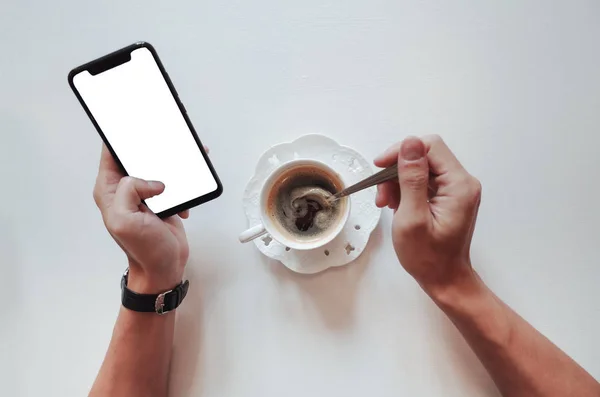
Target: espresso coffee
<point>297,202</point>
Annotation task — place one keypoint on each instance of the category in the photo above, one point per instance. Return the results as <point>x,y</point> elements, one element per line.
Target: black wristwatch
<point>148,303</point>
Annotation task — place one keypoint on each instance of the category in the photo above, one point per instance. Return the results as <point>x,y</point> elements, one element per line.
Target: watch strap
<point>147,303</point>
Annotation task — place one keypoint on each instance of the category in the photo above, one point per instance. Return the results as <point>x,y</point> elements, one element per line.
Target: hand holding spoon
<point>384,175</point>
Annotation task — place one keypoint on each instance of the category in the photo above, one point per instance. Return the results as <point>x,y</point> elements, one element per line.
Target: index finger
<point>440,157</point>
<point>108,163</point>
<point>389,157</point>
<point>109,175</point>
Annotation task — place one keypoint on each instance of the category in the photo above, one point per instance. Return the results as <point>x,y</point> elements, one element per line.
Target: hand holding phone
<point>157,249</point>
<point>132,103</point>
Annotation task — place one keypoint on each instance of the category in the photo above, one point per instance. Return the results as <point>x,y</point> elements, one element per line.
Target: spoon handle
<point>386,174</point>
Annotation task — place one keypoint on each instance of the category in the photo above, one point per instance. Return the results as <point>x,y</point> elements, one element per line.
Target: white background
<point>512,86</point>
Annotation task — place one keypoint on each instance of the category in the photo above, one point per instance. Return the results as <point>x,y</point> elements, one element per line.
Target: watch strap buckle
<point>159,303</point>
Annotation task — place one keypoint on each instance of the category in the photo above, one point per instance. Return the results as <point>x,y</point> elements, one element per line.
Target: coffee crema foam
<point>315,220</point>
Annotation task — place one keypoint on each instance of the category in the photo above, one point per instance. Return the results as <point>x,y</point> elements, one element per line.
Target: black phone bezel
<point>119,57</point>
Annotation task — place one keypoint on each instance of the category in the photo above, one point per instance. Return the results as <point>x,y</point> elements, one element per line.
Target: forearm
<point>521,361</point>
<point>137,361</point>
<point>139,354</point>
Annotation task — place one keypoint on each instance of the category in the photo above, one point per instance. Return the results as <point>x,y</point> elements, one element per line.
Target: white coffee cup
<point>267,225</point>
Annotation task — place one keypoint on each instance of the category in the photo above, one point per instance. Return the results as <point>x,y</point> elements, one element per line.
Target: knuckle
<point>470,189</point>
<point>476,189</point>
<point>96,195</point>
<point>464,181</point>
<point>117,225</point>
<point>126,183</point>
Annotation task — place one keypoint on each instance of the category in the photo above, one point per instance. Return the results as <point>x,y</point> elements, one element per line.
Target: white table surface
<point>512,86</point>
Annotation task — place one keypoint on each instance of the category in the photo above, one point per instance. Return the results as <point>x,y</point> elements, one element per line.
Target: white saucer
<point>364,215</point>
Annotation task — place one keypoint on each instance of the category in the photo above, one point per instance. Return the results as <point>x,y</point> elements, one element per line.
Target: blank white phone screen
<point>137,113</point>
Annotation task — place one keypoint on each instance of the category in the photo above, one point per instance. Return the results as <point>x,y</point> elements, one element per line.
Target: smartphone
<point>133,104</point>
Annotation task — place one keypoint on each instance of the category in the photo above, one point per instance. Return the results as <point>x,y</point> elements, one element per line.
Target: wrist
<point>464,286</point>
<point>474,308</point>
<point>144,282</point>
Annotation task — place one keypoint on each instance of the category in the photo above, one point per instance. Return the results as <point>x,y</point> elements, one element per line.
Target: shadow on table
<point>333,292</point>
<point>188,366</point>
<point>466,369</point>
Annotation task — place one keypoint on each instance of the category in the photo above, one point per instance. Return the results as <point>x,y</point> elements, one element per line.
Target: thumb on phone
<point>131,191</point>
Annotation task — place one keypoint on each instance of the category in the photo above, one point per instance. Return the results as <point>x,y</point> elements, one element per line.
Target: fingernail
<point>412,149</point>
<point>156,185</point>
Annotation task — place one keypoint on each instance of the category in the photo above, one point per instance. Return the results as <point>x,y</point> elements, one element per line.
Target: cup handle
<point>252,233</point>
